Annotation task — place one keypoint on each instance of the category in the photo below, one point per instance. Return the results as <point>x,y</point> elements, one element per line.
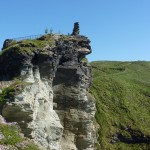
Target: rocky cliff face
<point>54,108</point>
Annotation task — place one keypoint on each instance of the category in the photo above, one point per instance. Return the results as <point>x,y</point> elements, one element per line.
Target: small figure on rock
<point>76,29</point>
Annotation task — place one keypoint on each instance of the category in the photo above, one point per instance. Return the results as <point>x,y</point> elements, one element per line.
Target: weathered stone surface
<point>55,109</point>
<point>9,147</point>
<point>2,120</point>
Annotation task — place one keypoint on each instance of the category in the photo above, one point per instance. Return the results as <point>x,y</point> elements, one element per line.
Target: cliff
<point>45,87</point>
<point>47,90</point>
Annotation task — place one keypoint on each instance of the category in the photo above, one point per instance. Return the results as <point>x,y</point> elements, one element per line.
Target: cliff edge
<point>49,98</point>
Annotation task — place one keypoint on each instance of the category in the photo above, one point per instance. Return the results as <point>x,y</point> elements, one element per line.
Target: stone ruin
<point>76,30</point>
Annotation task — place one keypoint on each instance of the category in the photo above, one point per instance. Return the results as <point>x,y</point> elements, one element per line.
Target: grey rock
<point>1,136</point>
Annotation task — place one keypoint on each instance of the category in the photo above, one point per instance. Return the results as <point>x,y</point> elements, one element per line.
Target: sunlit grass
<point>123,100</point>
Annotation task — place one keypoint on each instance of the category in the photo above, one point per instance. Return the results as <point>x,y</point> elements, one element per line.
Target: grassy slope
<point>122,91</point>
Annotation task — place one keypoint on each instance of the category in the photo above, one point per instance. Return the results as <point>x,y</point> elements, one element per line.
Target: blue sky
<point>118,29</point>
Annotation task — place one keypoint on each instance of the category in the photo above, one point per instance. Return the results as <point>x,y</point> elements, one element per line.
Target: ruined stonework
<point>76,29</point>
<point>55,108</point>
<point>7,43</point>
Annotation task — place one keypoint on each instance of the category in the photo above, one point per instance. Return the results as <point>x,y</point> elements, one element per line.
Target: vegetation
<point>9,92</point>
<point>85,60</point>
<point>28,46</point>
<point>11,134</point>
<point>12,137</point>
<point>123,104</point>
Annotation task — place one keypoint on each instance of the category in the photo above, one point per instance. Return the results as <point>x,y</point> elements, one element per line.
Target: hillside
<point>44,89</point>
<point>122,91</point>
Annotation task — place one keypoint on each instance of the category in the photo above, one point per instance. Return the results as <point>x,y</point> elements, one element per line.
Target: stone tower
<point>76,29</point>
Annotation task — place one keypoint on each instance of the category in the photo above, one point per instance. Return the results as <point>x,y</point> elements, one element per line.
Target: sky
<point>119,30</point>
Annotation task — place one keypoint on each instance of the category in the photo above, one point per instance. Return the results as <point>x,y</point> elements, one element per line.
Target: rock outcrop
<point>7,43</point>
<point>54,108</point>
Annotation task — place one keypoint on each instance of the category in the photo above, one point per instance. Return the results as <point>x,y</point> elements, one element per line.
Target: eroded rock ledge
<point>55,108</point>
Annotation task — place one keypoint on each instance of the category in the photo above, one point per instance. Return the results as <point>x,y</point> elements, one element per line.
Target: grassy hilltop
<point>122,92</point>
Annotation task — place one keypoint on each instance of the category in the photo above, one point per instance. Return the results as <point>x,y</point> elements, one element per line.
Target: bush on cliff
<point>7,94</point>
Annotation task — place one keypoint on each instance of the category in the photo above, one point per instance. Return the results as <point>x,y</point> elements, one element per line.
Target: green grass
<point>7,93</point>
<point>12,137</point>
<point>28,46</point>
<point>122,91</point>
<point>31,147</point>
<point>11,133</point>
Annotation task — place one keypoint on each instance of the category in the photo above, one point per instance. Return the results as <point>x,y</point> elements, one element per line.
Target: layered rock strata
<point>54,108</point>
